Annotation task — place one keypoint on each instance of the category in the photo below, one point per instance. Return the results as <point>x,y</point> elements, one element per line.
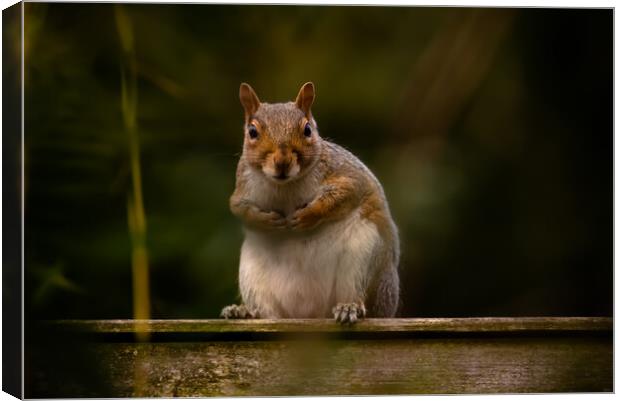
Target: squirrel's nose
<point>282,165</point>
<point>282,158</point>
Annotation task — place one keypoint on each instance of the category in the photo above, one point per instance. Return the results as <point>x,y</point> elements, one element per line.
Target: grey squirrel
<point>319,237</point>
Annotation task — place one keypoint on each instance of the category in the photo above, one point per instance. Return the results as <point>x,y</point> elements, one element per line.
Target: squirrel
<point>319,237</point>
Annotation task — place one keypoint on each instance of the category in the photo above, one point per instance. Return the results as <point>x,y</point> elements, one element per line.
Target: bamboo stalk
<point>135,203</point>
<point>136,216</point>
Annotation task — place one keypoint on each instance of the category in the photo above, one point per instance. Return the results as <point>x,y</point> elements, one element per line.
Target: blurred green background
<point>490,129</point>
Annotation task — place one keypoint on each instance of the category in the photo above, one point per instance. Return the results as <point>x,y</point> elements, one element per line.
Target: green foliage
<point>490,130</point>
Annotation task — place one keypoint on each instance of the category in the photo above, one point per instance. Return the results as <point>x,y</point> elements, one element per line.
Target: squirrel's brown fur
<point>319,235</point>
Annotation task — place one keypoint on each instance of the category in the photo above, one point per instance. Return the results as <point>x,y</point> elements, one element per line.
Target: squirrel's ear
<point>305,97</point>
<point>249,100</point>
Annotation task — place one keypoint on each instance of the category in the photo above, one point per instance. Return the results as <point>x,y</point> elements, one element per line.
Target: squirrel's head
<point>281,139</point>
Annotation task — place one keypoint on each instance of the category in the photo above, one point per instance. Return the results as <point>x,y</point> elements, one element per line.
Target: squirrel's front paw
<point>266,219</point>
<point>349,313</point>
<point>238,312</point>
<point>274,220</point>
<point>304,219</point>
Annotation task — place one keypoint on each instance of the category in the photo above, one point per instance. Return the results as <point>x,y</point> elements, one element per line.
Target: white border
<point>479,3</point>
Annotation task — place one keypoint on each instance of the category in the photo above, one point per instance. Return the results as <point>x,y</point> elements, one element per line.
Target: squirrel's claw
<point>349,313</point>
<point>237,312</point>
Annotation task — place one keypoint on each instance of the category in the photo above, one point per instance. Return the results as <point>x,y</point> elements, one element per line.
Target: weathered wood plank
<point>428,356</point>
<point>548,325</point>
<point>419,366</point>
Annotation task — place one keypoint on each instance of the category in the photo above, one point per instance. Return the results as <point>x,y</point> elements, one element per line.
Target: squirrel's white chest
<point>305,276</point>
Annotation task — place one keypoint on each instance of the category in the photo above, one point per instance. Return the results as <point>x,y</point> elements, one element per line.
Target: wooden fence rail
<point>104,358</point>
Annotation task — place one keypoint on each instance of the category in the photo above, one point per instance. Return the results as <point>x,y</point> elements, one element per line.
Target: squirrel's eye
<point>308,130</point>
<point>252,132</point>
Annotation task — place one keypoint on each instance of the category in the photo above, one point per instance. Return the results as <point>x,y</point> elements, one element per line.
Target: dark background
<point>490,129</point>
